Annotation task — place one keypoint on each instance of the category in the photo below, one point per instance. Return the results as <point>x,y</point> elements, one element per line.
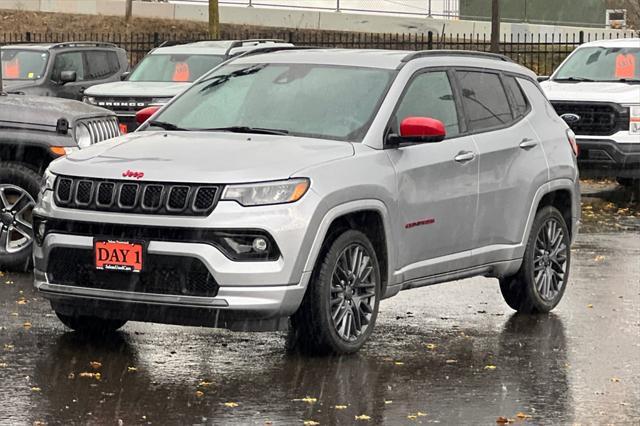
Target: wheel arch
<point>34,156</point>
<point>368,216</point>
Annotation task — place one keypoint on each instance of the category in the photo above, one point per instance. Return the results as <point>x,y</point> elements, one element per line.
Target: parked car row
<point>274,184</point>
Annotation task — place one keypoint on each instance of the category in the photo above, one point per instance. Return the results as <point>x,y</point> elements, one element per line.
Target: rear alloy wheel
<point>19,188</point>
<point>542,279</point>
<point>340,307</point>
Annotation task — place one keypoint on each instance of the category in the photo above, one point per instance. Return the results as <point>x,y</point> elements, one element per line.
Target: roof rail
<point>240,43</point>
<point>439,52</point>
<point>82,44</point>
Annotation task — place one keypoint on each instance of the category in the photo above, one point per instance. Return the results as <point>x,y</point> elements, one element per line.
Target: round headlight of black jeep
<point>83,137</point>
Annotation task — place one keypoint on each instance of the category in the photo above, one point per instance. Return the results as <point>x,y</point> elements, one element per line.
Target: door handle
<point>464,157</point>
<point>527,143</point>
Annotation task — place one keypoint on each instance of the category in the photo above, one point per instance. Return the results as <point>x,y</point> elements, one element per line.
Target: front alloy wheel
<point>16,231</point>
<point>340,306</point>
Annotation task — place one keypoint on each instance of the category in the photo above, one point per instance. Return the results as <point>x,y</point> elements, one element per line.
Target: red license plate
<point>114,255</point>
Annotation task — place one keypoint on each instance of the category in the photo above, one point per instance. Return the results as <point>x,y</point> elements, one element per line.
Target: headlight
<point>89,100</point>
<point>261,194</point>
<point>83,137</point>
<point>159,101</point>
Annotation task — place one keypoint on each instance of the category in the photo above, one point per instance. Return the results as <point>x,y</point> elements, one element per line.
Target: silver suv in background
<point>308,185</point>
<point>165,72</point>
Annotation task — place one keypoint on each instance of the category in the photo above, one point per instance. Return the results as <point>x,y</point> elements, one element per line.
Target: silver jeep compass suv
<point>308,185</point>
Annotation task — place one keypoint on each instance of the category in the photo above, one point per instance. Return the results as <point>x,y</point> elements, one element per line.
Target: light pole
<point>495,26</point>
<point>214,20</point>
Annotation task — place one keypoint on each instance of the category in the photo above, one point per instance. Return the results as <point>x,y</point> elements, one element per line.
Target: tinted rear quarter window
<point>101,64</point>
<point>520,104</point>
<point>484,99</point>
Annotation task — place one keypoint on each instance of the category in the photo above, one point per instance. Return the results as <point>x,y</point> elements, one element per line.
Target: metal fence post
<point>581,37</point>
<point>430,40</point>
<point>337,5</point>
<point>429,14</point>
<point>250,3</point>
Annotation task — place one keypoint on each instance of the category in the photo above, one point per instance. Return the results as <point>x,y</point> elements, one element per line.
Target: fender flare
<point>347,208</point>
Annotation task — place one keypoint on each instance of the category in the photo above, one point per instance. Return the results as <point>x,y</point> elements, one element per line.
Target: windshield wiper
<point>573,79</point>
<point>164,125</point>
<point>626,80</point>
<point>246,129</point>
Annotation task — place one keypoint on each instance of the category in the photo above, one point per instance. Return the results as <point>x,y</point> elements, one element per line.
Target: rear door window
<point>484,99</point>
<point>101,64</point>
<point>430,95</point>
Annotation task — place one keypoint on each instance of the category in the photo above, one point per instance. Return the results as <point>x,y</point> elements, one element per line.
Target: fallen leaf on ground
<point>421,414</point>
<point>95,365</point>
<point>27,324</point>
<point>363,417</point>
<point>599,258</point>
<point>589,305</point>
<point>503,420</point>
<point>9,282</point>
<point>490,367</point>
<point>340,407</point>
<point>199,394</point>
<point>412,417</point>
<point>8,347</point>
<point>388,402</point>
<point>36,389</point>
<point>522,415</point>
<point>14,314</point>
<point>21,301</point>
<point>205,384</point>
<point>451,361</point>
<point>3,365</point>
<point>131,369</point>
<point>615,380</point>
<point>231,404</point>
<point>430,346</point>
<point>71,376</point>
<point>399,363</point>
<point>89,375</point>
<point>307,399</point>
<point>310,423</point>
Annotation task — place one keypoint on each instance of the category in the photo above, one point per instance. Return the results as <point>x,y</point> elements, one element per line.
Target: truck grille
<point>122,104</point>
<point>161,274</point>
<point>101,129</point>
<point>596,119</point>
<point>134,197</point>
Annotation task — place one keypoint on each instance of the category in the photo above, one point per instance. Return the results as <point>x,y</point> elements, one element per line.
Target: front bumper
<point>607,158</point>
<point>251,295</point>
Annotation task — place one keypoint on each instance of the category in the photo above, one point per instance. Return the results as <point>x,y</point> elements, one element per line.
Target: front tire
<point>19,186</point>
<point>340,306</point>
<point>89,324</point>
<point>542,279</point>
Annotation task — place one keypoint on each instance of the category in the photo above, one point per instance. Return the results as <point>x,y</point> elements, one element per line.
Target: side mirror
<point>542,78</point>
<point>124,75</point>
<point>415,130</point>
<point>145,113</point>
<point>68,77</point>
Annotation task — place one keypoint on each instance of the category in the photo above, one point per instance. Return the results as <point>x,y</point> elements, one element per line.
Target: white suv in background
<point>597,91</point>
<point>164,73</point>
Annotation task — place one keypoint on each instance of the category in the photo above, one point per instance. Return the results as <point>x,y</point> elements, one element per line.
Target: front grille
<point>596,119</point>
<point>101,129</point>
<point>123,104</point>
<point>161,274</point>
<point>129,197</point>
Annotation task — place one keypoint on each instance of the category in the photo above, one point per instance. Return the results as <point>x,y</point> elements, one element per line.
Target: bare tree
<point>495,26</point>
<point>214,20</point>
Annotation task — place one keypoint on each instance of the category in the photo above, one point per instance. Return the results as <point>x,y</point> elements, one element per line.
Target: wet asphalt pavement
<point>449,354</point>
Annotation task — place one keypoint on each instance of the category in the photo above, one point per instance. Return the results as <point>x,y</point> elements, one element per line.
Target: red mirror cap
<point>144,114</point>
<point>412,127</point>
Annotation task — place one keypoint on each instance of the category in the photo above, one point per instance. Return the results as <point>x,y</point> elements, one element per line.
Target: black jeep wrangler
<point>35,130</point>
<point>62,70</point>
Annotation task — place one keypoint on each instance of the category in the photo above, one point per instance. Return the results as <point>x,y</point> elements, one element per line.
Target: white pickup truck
<point>597,91</point>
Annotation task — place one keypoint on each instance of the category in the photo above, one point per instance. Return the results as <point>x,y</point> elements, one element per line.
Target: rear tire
<point>630,183</point>
<point>340,307</point>
<point>16,223</point>
<point>89,324</point>
<point>542,279</point>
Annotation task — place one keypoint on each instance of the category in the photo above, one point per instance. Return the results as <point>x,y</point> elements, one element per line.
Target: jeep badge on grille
<point>133,174</point>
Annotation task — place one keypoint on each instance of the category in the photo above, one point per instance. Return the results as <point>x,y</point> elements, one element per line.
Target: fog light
<point>40,227</point>
<point>260,244</point>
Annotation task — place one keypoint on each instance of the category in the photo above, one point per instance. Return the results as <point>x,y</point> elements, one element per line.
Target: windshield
<point>331,102</point>
<point>20,64</point>
<point>178,68</point>
<point>601,64</point>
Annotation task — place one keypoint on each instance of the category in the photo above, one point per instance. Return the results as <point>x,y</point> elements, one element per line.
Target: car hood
<point>46,111</point>
<point>201,157</point>
<point>16,85</point>
<point>621,93</point>
<point>143,89</point>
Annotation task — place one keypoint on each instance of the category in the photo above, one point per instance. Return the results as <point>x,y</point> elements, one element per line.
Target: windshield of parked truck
<point>23,64</point>
<point>331,102</point>
<point>176,68</point>
<point>601,64</point>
